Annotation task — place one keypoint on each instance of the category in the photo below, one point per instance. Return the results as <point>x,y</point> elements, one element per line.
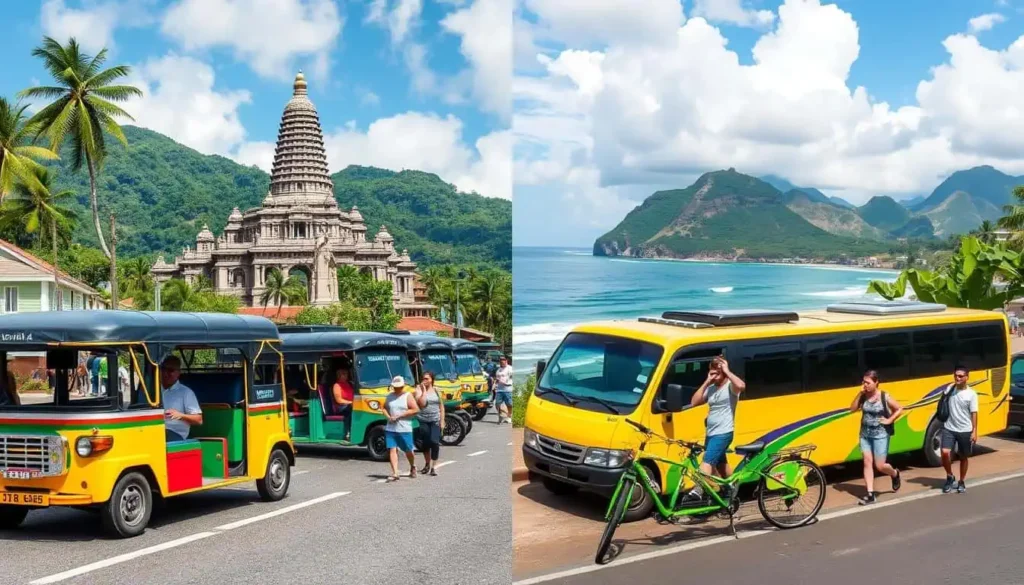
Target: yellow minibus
<point>801,371</point>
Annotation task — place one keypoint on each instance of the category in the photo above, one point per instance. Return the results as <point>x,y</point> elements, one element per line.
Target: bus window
<point>689,370</point>
<point>773,369</point>
<point>1017,377</point>
<point>889,355</point>
<point>934,352</point>
<point>832,363</point>
<point>982,347</point>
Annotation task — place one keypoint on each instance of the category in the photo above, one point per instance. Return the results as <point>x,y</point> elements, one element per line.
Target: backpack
<point>942,411</point>
<point>889,428</point>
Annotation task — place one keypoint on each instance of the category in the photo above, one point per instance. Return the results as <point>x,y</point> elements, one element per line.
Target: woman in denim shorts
<point>874,438</point>
<point>720,391</point>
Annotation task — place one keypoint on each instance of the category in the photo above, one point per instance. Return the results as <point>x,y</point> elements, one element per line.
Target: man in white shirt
<point>503,390</point>
<point>180,405</point>
<point>961,428</point>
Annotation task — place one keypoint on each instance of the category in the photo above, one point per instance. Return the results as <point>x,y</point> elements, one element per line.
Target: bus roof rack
<point>674,322</point>
<point>732,317</point>
<point>884,307</point>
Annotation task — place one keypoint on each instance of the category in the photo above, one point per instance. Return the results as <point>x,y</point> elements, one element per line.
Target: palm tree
<point>487,295</point>
<point>177,295</point>
<point>136,282</point>
<point>82,108</point>
<point>282,291</point>
<point>34,207</point>
<point>349,279</point>
<point>15,151</point>
<point>1014,218</point>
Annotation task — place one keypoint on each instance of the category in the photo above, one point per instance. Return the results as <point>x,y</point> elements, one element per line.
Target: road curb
<point>520,474</point>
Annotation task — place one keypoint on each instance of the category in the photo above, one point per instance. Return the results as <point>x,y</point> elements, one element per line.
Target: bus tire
<point>479,412</point>
<point>376,445</point>
<point>933,444</point>
<point>126,514</point>
<point>274,484</point>
<point>11,517</point>
<point>641,506</point>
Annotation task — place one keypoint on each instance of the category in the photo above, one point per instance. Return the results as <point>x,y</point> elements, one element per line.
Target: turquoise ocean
<point>556,288</point>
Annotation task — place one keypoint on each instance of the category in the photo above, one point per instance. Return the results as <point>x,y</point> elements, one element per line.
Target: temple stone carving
<point>299,229</point>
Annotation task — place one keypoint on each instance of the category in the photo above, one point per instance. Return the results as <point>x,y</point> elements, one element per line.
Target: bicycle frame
<point>691,469</point>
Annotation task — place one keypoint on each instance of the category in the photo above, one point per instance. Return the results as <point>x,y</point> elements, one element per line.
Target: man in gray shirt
<point>181,409</point>
<point>961,428</point>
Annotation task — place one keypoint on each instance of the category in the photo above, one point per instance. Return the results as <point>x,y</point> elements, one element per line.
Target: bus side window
<point>689,370</point>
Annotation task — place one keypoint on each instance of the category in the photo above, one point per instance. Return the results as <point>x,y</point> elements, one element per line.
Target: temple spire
<point>300,175</point>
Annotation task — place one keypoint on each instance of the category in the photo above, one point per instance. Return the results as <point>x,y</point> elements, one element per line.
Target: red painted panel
<point>185,470</point>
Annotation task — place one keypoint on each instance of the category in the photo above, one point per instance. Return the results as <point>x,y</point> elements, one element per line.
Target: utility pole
<point>113,263</point>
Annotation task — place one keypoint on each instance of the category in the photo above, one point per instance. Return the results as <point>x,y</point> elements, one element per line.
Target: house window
<point>11,299</point>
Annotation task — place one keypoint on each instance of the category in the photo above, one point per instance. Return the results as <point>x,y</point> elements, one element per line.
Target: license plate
<point>559,470</point>
<point>17,474</point>
<point>17,499</point>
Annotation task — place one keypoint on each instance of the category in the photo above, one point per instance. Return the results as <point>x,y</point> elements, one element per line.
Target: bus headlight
<point>530,438</point>
<point>94,445</point>
<point>605,457</point>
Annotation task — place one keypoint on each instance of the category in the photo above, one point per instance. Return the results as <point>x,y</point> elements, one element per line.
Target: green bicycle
<point>787,477</point>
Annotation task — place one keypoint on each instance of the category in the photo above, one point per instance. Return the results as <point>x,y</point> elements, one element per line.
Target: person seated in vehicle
<point>343,395</point>
<point>181,408</point>
<point>10,394</point>
<point>296,405</point>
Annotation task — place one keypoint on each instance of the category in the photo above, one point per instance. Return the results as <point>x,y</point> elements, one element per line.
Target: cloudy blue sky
<point>614,99</point>
<point>420,84</point>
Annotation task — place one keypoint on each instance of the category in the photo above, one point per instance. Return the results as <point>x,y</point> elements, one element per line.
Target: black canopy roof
<point>325,342</point>
<point>163,328</point>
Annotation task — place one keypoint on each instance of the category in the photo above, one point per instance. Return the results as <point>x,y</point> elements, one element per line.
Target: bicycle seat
<point>751,449</point>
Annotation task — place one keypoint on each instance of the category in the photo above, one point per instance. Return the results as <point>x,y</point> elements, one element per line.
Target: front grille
<point>40,455</point>
<point>561,451</point>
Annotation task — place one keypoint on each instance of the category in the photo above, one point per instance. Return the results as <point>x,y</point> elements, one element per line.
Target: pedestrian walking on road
<point>503,390</point>
<point>960,428</point>
<point>431,418</point>
<point>400,408</point>
<point>878,413</point>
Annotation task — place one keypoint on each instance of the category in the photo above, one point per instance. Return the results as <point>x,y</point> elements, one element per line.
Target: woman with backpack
<point>878,413</point>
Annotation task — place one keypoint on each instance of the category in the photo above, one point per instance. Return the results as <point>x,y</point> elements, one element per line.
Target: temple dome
<point>236,215</point>
<point>205,235</point>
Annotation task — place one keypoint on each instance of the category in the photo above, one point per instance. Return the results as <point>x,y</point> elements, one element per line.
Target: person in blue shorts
<point>400,407</point>
<point>720,391</point>
<point>503,390</point>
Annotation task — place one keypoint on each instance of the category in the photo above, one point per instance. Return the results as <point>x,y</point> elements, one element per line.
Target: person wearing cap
<point>400,407</point>
<point>503,390</point>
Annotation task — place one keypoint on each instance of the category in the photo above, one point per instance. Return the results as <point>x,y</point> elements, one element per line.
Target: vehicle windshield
<point>440,363</point>
<point>1017,377</point>
<point>376,368</point>
<point>468,364</point>
<point>599,372</point>
<point>66,378</point>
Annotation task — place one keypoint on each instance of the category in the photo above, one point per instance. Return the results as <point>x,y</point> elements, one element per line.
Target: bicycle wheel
<point>613,521</point>
<point>777,501</point>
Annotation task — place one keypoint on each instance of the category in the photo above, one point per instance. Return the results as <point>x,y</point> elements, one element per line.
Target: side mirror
<point>541,364</point>
<point>672,400</point>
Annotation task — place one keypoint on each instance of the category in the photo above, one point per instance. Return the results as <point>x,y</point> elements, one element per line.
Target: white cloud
<point>732,12</point>
<point>369,98</point>
<point>607,122</point>
<point>486,32</point>
<point>400,20</point>
<point>93,27</point>
<point>984,22</point>
<point>583,22</point>
<point>428,143</point>
<point>269,35</point>
<point>180,101</point>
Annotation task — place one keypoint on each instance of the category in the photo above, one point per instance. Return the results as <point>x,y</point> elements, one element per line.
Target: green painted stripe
<point>50,429</point>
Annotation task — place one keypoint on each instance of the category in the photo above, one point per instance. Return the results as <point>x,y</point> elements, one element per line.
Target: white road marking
<point>121,558</point>
<point>510,444</point>
<point>301,472</point>
<point>284,510</point>
<point>477,453</point>
<point>749,534</point>
<point>443,463</point>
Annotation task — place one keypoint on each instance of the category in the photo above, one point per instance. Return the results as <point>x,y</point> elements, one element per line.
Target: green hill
<point>884,213</point>
<point>163,192</point>
<point>723,214</point>
<point>960,213</point>
<point>830,217</point>
<point>982,183</point>
<point>919,227</point>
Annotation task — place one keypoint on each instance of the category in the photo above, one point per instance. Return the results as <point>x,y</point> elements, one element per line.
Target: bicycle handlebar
<point>643,429</point>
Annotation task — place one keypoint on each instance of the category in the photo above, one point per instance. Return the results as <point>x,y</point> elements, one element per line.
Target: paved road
<point>956,538</point>
<point>339,524</point>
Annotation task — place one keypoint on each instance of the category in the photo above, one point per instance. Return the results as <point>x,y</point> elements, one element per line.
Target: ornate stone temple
<point>298,229</point>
